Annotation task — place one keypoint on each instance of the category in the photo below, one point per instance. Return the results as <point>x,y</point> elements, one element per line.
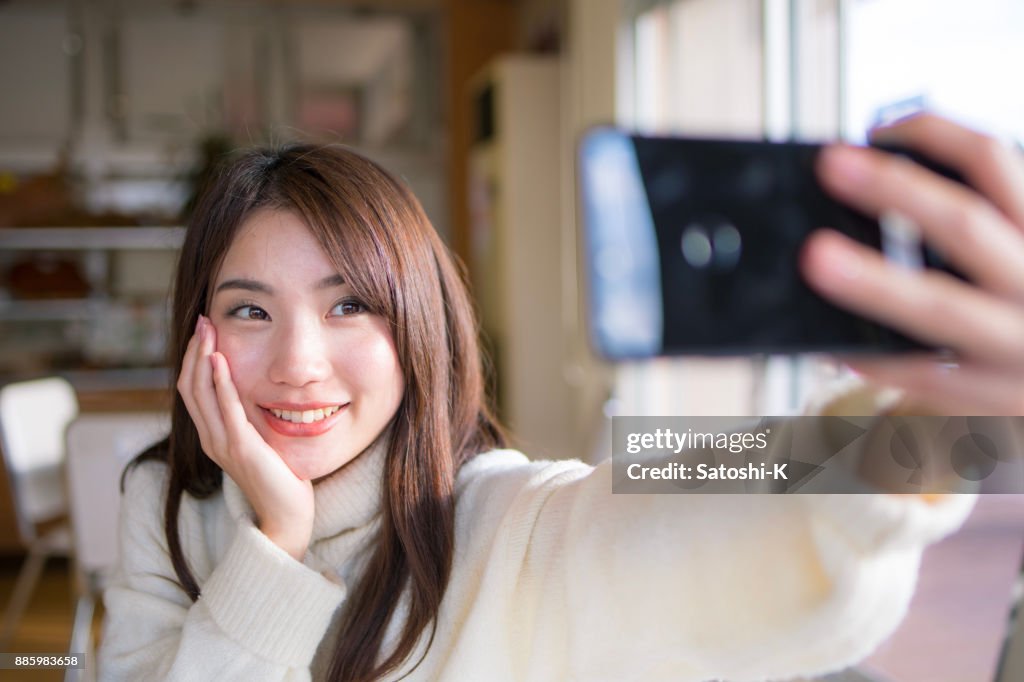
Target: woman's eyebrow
<point>328,282</point>
<point>245,285</point>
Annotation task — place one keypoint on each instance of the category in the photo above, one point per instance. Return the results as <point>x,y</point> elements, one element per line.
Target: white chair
<point>33,417</point>
<point>99,446</point>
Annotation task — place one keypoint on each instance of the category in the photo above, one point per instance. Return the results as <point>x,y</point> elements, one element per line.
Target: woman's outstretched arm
<point>696,587</point>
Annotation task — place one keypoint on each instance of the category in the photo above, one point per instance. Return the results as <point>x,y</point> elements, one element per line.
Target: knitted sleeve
<point>699,587</point>
<point>261,614</point>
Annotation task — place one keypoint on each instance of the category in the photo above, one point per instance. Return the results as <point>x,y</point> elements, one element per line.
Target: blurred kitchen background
<point>111,111</point>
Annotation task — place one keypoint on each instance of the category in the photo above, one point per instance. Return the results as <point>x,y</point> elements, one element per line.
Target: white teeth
<point>307,416</point>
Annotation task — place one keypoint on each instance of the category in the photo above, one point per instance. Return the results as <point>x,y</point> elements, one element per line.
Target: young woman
<point>333,501</point>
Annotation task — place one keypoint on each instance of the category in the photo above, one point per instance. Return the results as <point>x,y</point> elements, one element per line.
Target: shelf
<point>154,378</point>
<point>91,238</point>
<point>57,309</point>
<point>54,309</point>
<point>97,381</point>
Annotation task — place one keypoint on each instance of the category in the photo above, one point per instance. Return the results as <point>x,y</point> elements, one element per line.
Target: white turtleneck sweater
<point>554,578</point>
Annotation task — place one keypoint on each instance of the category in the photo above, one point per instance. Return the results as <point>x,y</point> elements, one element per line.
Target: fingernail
<point>851,165</point>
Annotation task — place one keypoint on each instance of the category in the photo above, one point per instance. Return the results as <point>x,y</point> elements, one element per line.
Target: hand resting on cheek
<point>283,503</point>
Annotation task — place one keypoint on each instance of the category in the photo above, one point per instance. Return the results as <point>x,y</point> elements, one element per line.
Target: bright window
<point>958,58</point>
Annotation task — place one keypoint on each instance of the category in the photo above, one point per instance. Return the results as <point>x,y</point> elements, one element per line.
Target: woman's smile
<point>309,416</point>
<point>304,423</point>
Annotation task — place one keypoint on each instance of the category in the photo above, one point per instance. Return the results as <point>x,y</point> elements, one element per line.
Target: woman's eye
<point>250,312</point>
<point>348,307</point>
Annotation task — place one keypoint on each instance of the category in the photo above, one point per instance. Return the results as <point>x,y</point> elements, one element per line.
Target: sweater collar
<point>348,499</point>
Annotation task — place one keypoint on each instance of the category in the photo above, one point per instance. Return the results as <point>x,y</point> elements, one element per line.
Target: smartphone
<point>692,248</point>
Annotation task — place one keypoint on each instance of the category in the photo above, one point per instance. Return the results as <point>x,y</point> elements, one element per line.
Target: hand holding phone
<point>693,247</point>
<point>980,231</point>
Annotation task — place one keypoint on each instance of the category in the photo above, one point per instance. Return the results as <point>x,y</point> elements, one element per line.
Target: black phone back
<point>692,247</point>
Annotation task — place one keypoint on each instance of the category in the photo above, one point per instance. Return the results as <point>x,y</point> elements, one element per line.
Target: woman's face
<point>317,374</point>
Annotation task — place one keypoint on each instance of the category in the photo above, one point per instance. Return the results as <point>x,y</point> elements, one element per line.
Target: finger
<point>929,305</point>
<point>968,230</point>
<point>203,391</point>
<point>967,389</point>
<point>188,363</point>
<point>185,382</point>
<point>994,168</point>
<point>231,410</point>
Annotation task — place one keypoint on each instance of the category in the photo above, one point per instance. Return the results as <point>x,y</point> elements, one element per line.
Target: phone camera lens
<point>712,243</point>
<point>727,245</point>
<point>696,246</point>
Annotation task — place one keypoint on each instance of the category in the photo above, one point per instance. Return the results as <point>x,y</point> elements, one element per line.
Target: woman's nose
<point>299,355</point>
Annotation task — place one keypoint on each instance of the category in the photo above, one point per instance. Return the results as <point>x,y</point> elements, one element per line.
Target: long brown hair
<point>375,232</point>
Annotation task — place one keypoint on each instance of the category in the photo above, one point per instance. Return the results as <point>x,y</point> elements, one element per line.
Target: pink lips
<point>287,428</point>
